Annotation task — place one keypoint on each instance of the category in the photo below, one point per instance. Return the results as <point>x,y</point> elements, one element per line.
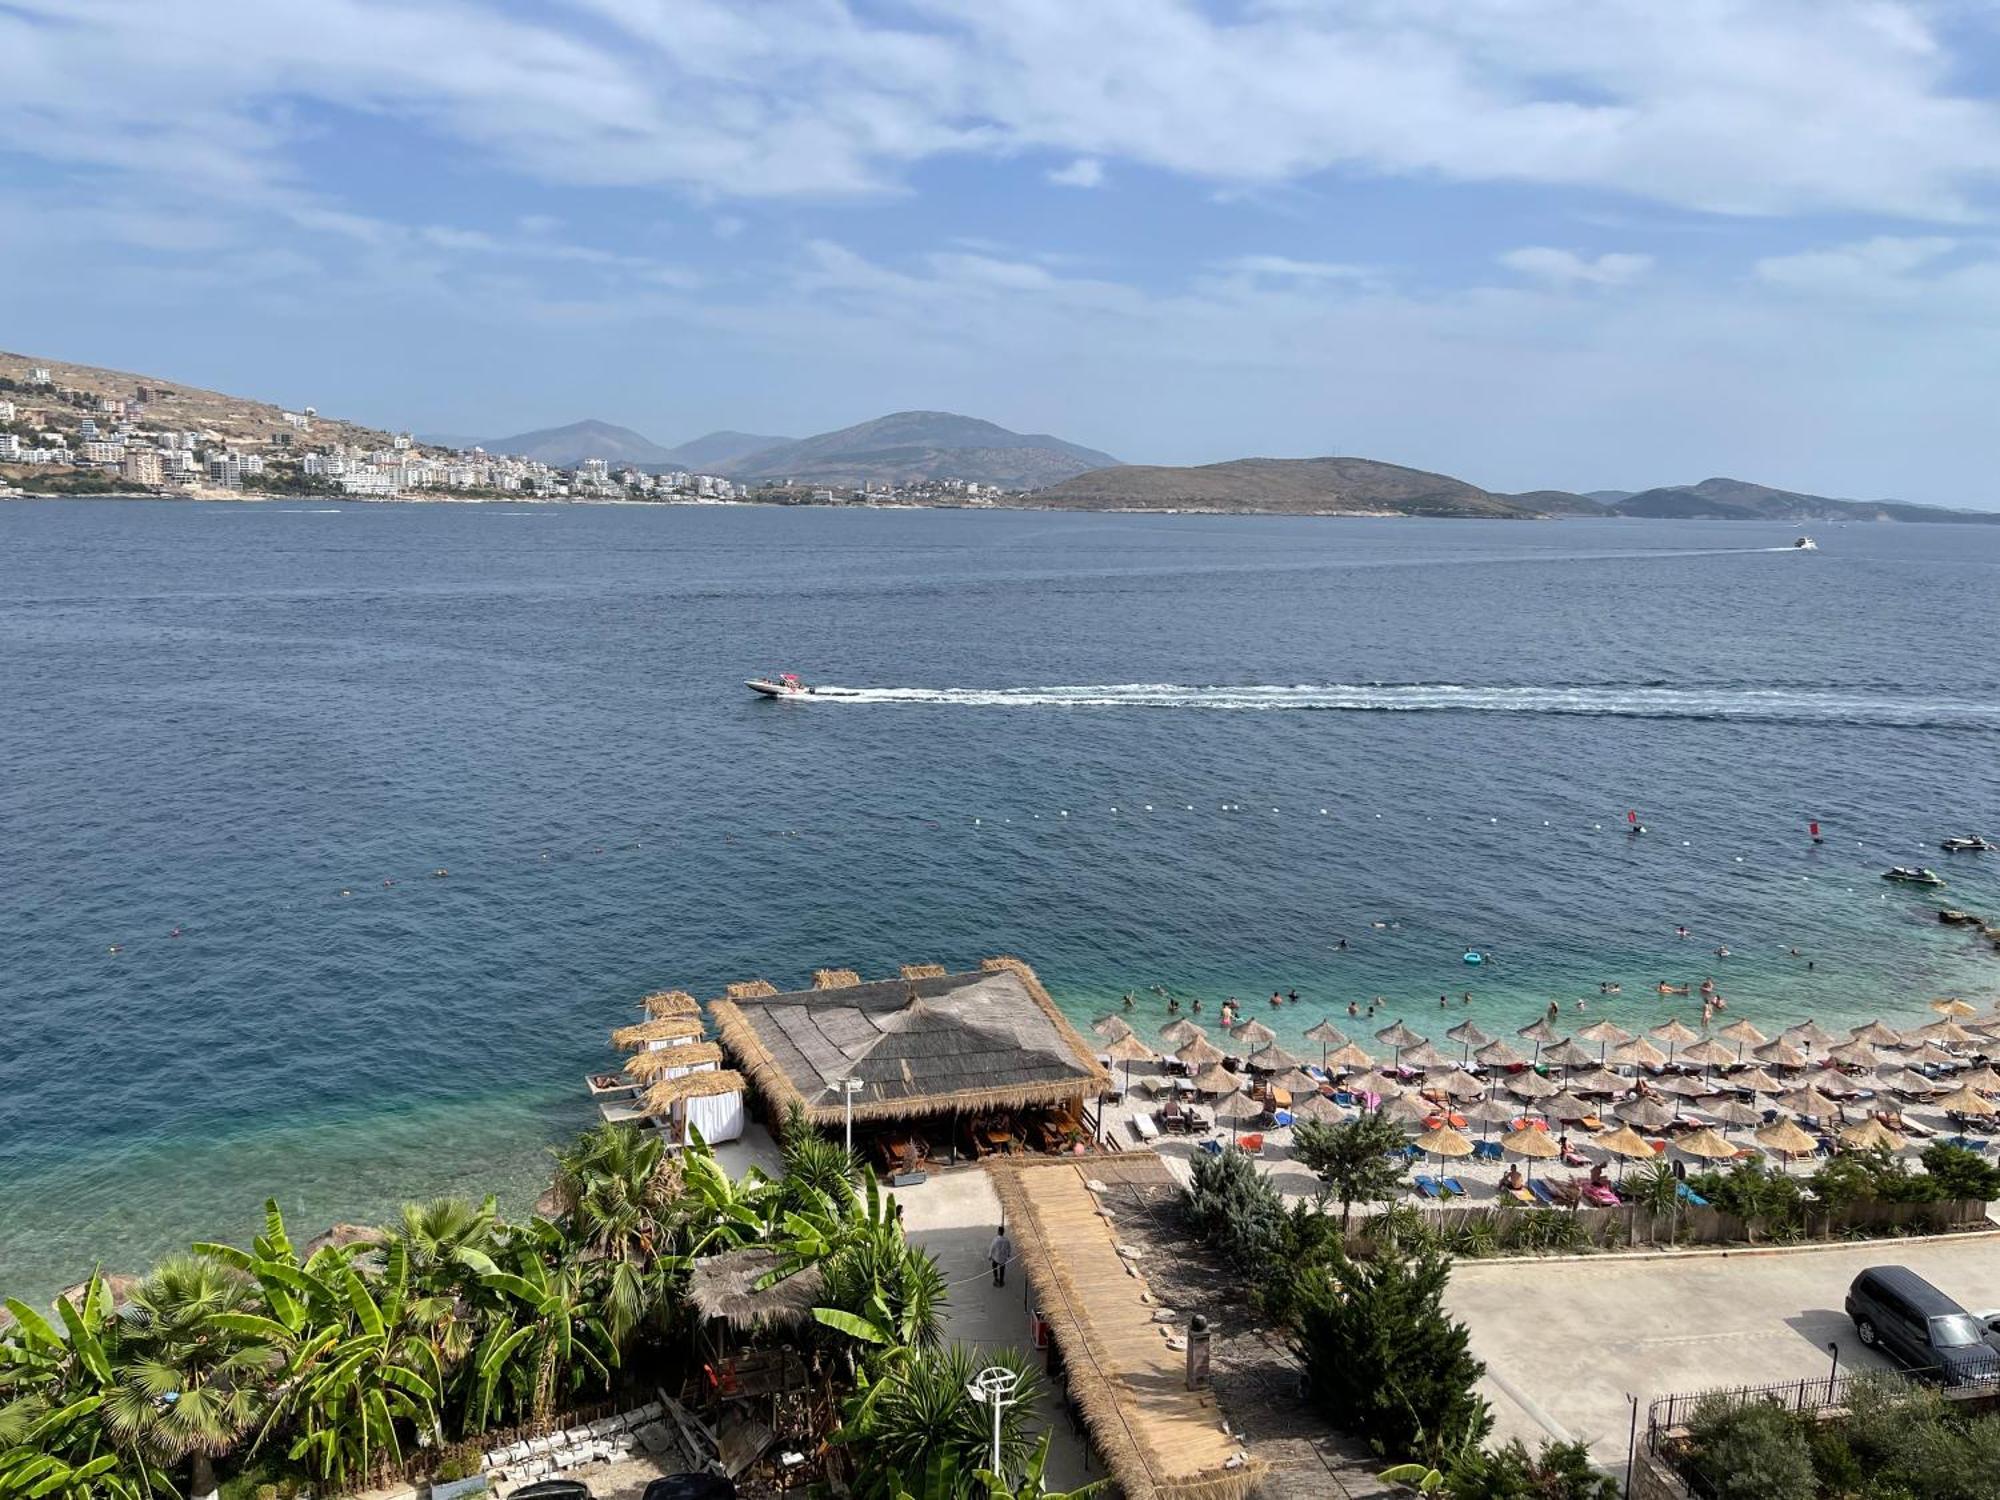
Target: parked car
<point>552,1489</point>
<point>1919,1328</point>
<point>691,1487</point>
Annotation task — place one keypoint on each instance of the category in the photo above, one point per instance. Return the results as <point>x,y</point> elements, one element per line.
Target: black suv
<point>1919,1328</point>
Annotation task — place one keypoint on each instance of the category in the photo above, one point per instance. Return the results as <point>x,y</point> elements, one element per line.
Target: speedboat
<point>1805,544</point>
<point>784,685</point>
<point>1913,875</point>
<point>1970,843</point>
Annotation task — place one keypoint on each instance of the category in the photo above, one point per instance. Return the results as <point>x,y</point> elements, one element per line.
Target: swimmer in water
<point>1173,1006</point>
<point>1128,999</point>
<point>1555,1009</point>
<point>1197,1005</point>
<point>1341,945</point>
<point>1443,1001</point>
<point>1681,932</point>
<point>1723,951</point>
<point>1580,1005</point>
<point>175,933</point>
<point>1353,1009</point>
<point>1466,998</point>
<point>1276,998</point>
<point>1293,996</point>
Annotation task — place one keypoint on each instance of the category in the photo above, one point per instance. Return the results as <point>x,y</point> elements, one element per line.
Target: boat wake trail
<point>1777,705</point>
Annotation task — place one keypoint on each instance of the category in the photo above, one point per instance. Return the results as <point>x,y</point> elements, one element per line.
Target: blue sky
<point>1533,244</point>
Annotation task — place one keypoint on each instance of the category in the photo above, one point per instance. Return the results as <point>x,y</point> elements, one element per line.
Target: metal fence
<point>1973,1373</point>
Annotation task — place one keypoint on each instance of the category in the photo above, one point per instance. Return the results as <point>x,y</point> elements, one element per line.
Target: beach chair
<point>1689,1196</point>
<point>1519,1195</point>
<point>1453,1188</point>
<point>1603,1195</point>
<point>1212,1147</point>
<point>1343,1096</point>
<point>1144,1128</point>
<point>1427,1186</point>
<point>1486,1151</point>
<point>1252,1144</point>
<point>1282,1118</point>
<point>1543,1194</point>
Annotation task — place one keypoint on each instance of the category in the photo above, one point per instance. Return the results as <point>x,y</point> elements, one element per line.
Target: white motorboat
<point>1970,843</point>
<point>1805,544</point>
<point>784,685</point>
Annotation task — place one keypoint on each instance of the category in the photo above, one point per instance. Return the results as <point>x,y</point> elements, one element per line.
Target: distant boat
<point>1805,544</point>
<point>784,685</point>
<point>1970,843</point>
<point>1913,875</point>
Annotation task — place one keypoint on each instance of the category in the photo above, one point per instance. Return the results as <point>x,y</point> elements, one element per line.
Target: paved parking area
<point>1565,1342</point>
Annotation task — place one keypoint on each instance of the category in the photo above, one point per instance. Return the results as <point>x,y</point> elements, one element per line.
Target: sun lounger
<point>1519,1194</point>
<point>1575,1158</point>
<point>1965,1143</point>
<point>1689,1196</point>
<point>1427,1186</point>
<point>1601,1194</point>
<point>1486,1151</point>
<point>1343,1096</point>
<point>1212,1147</point>
<point>1543,1193</point>
<point>1454,1188</point>
<point>1253,1144</point>
<point>1144,1128</point>
<point>1281,1118</point>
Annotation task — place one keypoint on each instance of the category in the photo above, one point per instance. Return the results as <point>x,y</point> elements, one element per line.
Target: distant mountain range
<point>1362,486</point>
<point>903,448</point>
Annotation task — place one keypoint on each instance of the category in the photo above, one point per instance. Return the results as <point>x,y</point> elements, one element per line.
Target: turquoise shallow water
<point>219,718</point>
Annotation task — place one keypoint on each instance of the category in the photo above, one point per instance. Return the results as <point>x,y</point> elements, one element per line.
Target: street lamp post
<point>849,1087</point>
<point>994,1386</point>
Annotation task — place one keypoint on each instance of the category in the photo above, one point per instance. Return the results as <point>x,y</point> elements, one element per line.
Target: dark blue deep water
<point>244,721</point>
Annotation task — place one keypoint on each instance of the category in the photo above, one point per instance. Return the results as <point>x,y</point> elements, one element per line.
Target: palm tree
<point>186,1386</point>
<point>443,1247</point>
<point>53,1385</point>
<point>618,1190</point>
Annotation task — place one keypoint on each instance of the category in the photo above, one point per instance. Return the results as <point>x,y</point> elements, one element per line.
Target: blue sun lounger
<point>1453,1188</point>
<point>1427,1185</point>
<point>1544,1195</point>
<point>1689,1196</point>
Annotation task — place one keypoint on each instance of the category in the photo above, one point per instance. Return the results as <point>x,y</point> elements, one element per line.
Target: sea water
<point>337,839</point>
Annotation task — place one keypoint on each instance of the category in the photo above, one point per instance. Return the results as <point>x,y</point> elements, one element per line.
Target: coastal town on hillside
<point>84,436</point>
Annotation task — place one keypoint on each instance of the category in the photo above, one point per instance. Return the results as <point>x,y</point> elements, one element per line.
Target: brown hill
<point>1286,486</point>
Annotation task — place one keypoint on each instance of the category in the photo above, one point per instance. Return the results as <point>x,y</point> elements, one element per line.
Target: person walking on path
<point>999,1253</point>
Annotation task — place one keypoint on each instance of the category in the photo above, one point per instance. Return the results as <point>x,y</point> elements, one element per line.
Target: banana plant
<point>1031,1485</point>
<point>53,1386</point>
<point>549,1339</point>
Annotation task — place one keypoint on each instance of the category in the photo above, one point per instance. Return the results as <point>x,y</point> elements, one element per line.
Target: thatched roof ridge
<point>725,1286</point>
<point>644,1067</point>
<point>835,979</point>
<point>924,971</point>
<point>750,989</point>
<point>659,1029</point>
<point>1160,1441</point>
<point>948,1044</point>
<point>671,1003</point>
<point>668,1092</point>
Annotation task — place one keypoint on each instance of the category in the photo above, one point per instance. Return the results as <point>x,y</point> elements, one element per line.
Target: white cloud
<point>1737,106</point>
<point>1284,266</point>
<point>1872,267</point>
<point>1568,268</point>
<point>1084,172</point>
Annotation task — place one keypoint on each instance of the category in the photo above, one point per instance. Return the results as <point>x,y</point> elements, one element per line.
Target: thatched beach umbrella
<point>1568,1108</point>
<point>1809,1102</point>
<point>1236,1108</point>
<point>1908,1081</point>
<point>671,1003</point>
<point>1385,1088</point>
<point>1349,1059</point>
<point>1179,1033</point>
<point>1458,1085</point>
<point>1569,1055</point>
<point>1410,1109</point>
<point>1328,1036</point>
<point>1943,1034</point>
<point>1541,1033</point>
<point>1530,1086</point>
<point>1531,1145</point>
<point>1443,1141</point>
<point>1951,1005</point>
<point>1468,1036</point>
<point>1874,1034</point>
<point>1626,1144</point>
<point>1734,1112</point>
<point>1743,1034</point>
<point>1298,1083</point>
<point>1785,1138</point>
<point>1638,1053</point>
<point>1809,1033</point>
<point>1757,1081</point>
<point>1598,1081</point>
<point>1199,1053</point>
<point>1966,1102</point>
<point>1216,1079</point>
<point>1604,1035</point>
<point>1112,1026</point>
<point>1253,1033</point>
<point>340,1236</point>
<point>1399,1036</point>
<point>1706,1145</point>
<point>1709,1052</point>
<point>1686,1087</point>
<point>1675,1033</point>
<point>1490,1111</point>
<point>1128,1049</point>
<point>1272,1058</point>
<point>1852,1055</point>
<point>1836,1085</point>
<point>1500,1055</point>
<point>1653,1114</point>
<point>1931,1055</point>
<point>1424,1057</point>
<point>1871,1135</point>
<point>1982,1078</point>
<point>1780,1054</point>
<point>1319,1109</point>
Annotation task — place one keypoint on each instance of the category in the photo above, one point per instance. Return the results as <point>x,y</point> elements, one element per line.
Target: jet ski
<point>784,685</point>
<point>1970,843</point>
<point>1805,544</point>
<point>1913,875</point>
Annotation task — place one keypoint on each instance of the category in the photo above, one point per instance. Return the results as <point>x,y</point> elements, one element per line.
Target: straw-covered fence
<point>1160,1440</point>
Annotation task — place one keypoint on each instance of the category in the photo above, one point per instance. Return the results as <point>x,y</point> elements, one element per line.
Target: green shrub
<point>1749,1451</point>
<point>1960,1173</point>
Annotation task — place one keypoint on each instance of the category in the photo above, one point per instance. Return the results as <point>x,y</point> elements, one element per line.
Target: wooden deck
<point>1161,1440</point>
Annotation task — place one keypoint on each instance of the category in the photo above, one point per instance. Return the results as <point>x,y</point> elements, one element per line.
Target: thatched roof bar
<point>668,1092</point>
<point>834,979</point>
<point>671,1003</point>
<point>659,1029</point>
<point>644,1067</point>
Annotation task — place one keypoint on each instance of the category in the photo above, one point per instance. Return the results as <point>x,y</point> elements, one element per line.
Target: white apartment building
<point>6,411</point>
<point>103,453</point>
<point>369,482</point>
<point>10,446</point>
<point>141,466</point>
